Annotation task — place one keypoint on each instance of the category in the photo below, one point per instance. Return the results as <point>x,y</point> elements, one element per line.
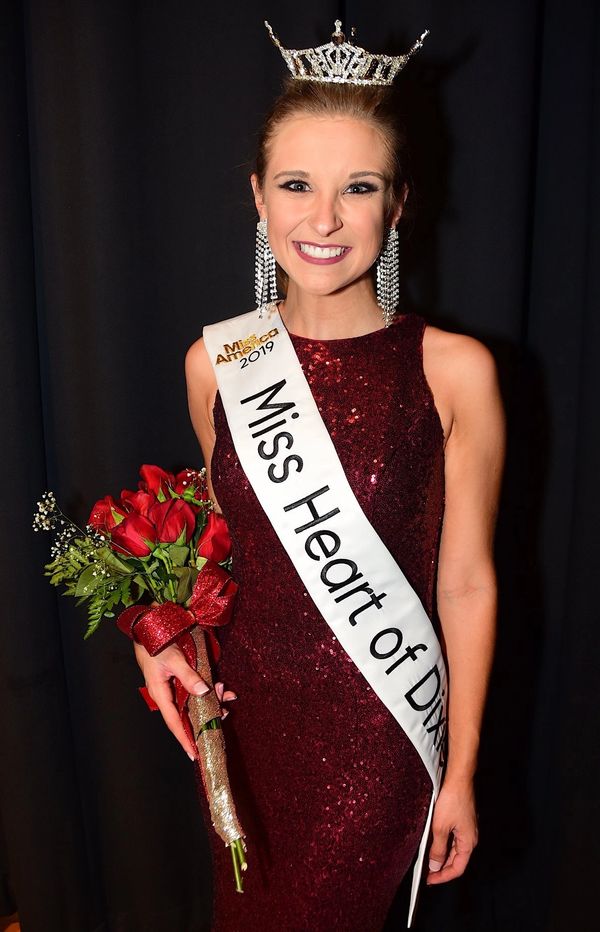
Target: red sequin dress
<point>330,790</point>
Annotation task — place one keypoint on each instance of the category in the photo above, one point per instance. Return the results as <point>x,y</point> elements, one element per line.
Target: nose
<point>324,216</point>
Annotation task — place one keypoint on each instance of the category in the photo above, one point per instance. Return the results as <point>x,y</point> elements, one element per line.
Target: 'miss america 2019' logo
<point>247,350</point>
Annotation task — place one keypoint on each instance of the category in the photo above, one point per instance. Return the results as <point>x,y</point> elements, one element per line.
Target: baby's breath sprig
<point>47,514</point>
<point>82,561</point>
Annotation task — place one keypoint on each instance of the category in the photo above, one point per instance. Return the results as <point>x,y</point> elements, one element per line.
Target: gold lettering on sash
<point>245,346</point>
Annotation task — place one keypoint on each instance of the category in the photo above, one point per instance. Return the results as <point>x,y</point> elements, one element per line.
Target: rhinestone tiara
<point>342,62</point>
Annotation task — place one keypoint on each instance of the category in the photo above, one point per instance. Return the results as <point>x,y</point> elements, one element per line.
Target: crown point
<point>338,36</point>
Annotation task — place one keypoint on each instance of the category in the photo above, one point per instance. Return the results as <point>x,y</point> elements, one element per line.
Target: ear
<point>399,208</point>
<point>258,196</point>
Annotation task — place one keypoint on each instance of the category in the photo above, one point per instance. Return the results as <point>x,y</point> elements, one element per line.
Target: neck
<point>350,312</point>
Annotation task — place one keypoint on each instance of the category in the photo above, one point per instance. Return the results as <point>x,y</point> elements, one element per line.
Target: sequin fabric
<point>328,787</point>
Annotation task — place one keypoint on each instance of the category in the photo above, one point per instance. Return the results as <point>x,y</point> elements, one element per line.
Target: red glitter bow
<point>156,627</point>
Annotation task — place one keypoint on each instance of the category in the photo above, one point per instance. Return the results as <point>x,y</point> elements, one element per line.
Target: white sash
<point>361,592</point>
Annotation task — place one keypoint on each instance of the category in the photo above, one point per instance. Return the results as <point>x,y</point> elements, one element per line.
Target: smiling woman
<point>326,227</point>
<point>356,453</point>
<point>319,116</point>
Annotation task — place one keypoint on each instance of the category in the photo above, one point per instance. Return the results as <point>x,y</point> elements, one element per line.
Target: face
<point>324,197</point>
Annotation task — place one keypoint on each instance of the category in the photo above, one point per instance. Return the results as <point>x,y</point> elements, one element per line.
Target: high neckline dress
<point>331,792</point>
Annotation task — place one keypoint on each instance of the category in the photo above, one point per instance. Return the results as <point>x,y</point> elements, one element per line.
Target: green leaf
<point>92,625</point>
<point>200,561</point>
<point>187,577</point>
<point>141,583</point>
<point>87,582</point>
<point>179,555</point>
<point>110,558</point>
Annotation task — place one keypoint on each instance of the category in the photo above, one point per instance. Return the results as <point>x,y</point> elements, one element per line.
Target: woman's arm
<point>466,586</point>
<point>159,670</point>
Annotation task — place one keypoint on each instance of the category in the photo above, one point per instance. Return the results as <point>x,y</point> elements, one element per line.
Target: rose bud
<point>215,542</point>
<point>140,502</point>
<point>106,514</point>
<point>135,536</point>
<point>189,480</point>
<point>156,480</point>
<point>171,518</point>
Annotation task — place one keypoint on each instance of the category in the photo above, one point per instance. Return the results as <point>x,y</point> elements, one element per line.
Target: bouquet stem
<point>238,856</point>
<point>205,717</point>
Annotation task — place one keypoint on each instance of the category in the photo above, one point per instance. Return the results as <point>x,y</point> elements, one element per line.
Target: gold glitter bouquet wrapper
<point>164,544</point>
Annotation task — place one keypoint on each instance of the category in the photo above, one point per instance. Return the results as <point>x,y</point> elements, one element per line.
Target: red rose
<point>106,514</point>
<point>171,518</point>
<point>215,542</point>
<point>191,479</point>
<point>135,536</point>
<point>140,502</point>
<point>156,480</point>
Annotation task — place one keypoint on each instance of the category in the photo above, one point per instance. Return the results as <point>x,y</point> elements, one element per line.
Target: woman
<point>330,789</point>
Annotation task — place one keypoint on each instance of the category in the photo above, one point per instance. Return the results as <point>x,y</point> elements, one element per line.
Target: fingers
<point>224,696</point>
<point>438,852</point>
<point>167,663</point>
<point>453,865</point>
<point>162,694</point>
<point>454,868</point>
<point>177,665</point>
<point>158,671</point>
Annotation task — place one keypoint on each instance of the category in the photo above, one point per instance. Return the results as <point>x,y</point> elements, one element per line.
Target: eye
<point>361,187</point>
<point>294,185</point>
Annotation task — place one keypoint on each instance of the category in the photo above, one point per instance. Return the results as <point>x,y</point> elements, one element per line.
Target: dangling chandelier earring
<point>265,274</point>
<point>388,276</point>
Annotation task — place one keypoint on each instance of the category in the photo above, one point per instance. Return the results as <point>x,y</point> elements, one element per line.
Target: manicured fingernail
<point>435,865</point>
<point>201,690</point>
<point>191,756</point>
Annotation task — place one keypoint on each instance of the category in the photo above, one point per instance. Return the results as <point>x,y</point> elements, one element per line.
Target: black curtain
<point>126,138</point>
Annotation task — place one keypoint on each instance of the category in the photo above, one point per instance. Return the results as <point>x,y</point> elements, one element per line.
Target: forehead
<point>326,142</point>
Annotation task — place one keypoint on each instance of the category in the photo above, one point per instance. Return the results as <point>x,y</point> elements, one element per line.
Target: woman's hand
<point>453,813</point>
<point>157,672</point>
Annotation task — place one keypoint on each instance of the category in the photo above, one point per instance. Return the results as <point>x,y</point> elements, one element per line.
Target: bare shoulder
<point>463,358</point>
<point>461,372</point>
<point>198,367</point>
<point>201,390</point>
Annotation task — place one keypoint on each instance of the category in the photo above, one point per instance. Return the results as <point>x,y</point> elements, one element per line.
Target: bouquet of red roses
<point>163,554</point>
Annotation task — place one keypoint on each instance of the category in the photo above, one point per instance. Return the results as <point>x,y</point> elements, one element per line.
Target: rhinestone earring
<point>388,276</point>
<point>265,275</point>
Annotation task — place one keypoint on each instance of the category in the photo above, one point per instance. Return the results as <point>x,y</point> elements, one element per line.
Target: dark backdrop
<point>125,224</point>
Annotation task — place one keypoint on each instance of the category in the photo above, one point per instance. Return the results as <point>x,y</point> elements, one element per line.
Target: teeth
<point>321,252</point>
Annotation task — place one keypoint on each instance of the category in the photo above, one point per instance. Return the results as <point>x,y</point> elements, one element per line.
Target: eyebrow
<point>301,174</point>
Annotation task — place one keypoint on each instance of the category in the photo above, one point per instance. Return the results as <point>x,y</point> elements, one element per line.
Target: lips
<point>321,254</point>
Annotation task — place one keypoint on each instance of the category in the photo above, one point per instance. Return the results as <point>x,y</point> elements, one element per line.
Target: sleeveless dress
<point>330,791</point>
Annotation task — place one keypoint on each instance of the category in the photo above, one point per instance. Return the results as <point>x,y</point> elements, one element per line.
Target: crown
<point>342,62</point>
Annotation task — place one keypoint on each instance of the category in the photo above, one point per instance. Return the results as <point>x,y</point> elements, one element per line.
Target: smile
<point>321,255</point>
